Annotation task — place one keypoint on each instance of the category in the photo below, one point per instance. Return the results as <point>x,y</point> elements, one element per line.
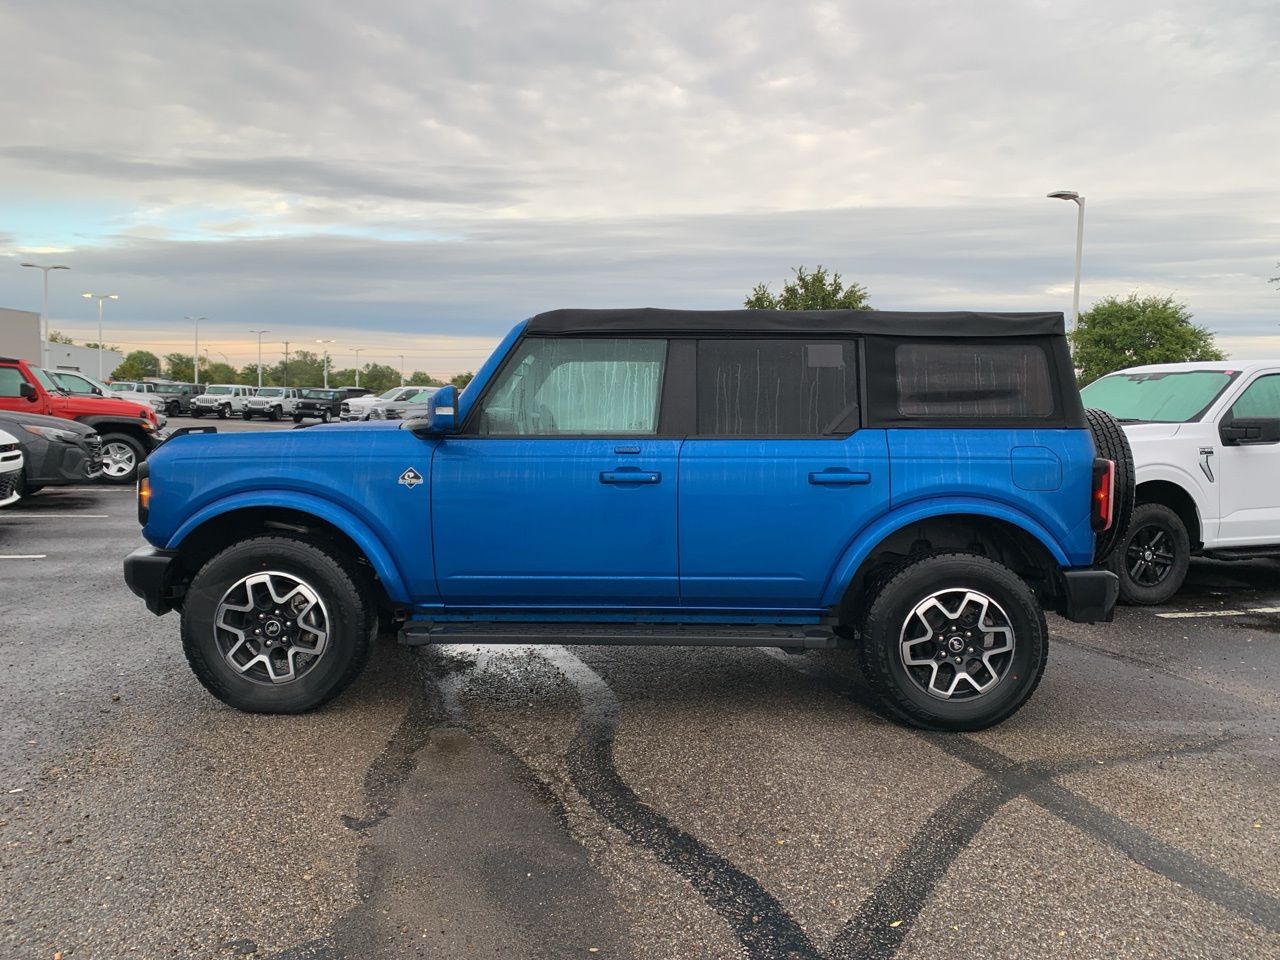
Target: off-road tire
<point>1146,516</point>
<point>881,632</point>
<point>274,413</point>
<point>246,415</point>
<point>324,416</point>
<point>224,411</point>
<point>351,623</point>
<point>297,418</point>
<point>195,413</point>
<point>1110,442</point>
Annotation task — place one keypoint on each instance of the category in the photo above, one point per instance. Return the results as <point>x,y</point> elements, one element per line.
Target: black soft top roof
<point>890,323</point>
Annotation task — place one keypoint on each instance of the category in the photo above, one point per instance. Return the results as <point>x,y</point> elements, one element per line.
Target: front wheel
<point>121,455</point>
<point>224,411</point>
<point>276,625</point>
<point>324,416</point>
<point>274,414</point>
<point>1152,557</point>
<point>954,642</point>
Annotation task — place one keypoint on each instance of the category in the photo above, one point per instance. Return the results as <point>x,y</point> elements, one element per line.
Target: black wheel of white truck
<point>954,642</point>
<point>1153,556</point>
<point>276,625</point>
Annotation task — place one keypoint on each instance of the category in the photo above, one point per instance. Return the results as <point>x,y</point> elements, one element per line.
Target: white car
<point>1206,451</point>
<point>10,468</point>
<point>273,403</point>
<point>221,400</point>
<point>359,408</point>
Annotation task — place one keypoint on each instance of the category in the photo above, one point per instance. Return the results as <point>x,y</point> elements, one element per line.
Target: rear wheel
<point>121,455</point>
<point>1152,558</point>
<point>954,642</point>
<point>173,408</point>
<point>247,415</point>
<point>276,625</point>
<point>195,412</point>
<point>297,418</point>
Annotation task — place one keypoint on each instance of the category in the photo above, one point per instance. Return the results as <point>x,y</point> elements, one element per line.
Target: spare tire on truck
<point>1111,443</point>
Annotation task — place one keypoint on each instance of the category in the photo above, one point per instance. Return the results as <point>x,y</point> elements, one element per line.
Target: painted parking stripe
<point>1199,614</point>
<point>43,516</point>
<point>23,556</point>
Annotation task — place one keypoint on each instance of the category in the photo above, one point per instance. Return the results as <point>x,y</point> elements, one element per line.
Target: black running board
<point>1243,553</point>
<point>798,636</point>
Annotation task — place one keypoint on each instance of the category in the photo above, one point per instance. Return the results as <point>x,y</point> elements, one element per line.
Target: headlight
<point>51,433</point>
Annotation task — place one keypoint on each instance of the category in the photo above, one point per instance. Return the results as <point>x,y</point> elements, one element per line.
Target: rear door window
<point>777,388</point>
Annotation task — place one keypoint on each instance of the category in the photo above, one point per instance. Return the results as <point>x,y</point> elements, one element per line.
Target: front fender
<point>368,542</point>
<point>873,535</point>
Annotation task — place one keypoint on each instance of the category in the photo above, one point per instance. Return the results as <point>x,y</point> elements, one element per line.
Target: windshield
<point>391,394</point>
<point>45,380</point>
<point>169,387</point>
<point>421,396</point>
<point>1176,397</point>
<point>320,394</point>
<point>219,390</point>
<point>270,392</point>
<point>124,385</point>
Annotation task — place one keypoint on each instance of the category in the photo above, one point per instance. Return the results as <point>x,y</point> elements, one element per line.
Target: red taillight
<point>1104,494</point>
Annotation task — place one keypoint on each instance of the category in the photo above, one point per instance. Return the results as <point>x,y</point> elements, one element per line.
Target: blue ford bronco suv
<point>919,487</point>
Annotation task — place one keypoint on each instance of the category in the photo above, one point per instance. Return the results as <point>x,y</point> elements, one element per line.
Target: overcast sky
<point>418,176</point>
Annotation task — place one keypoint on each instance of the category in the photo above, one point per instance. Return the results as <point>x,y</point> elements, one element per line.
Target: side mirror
<point>27,391</point>
<point>442,411</point>
<point>1246,431</point>
<point>98,391</point>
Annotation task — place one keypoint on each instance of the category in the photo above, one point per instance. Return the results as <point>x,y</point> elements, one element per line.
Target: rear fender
<point>364,538</point>
<point>867,540</point>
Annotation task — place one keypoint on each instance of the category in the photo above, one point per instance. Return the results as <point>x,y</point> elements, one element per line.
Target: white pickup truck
<point>1206,449</point>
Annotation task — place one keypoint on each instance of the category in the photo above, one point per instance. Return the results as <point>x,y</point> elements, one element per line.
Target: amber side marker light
<point>144,497</point>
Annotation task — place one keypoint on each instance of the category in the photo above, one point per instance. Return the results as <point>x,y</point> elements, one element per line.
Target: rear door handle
<point>630,475</point>
<point>839,478</point>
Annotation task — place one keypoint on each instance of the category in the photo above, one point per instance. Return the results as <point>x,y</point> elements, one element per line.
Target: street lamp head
<point>87,296</point>
<point>1064,195</point>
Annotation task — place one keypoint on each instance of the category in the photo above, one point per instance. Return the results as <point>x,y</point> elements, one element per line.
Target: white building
<point>20,337</point>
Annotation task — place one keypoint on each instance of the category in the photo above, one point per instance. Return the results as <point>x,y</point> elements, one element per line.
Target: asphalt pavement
<point>472,801</point>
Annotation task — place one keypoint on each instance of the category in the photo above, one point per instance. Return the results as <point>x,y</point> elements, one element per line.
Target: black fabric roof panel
<point>894,323</point>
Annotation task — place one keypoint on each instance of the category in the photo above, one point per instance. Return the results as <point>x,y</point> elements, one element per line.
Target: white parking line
<point>23,556</point>
<point>43,516</point>
<point>1198,614</point>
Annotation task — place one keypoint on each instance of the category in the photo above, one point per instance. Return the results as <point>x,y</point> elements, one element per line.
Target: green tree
<point>93,345</point>
<point>138,364</point>
<point>819,290</point>
<point>57,336</point>
<point>379,377</point>
<point>305,370</point>
<point>179,367</point>
<point>462,379</point>
<point>1116,333</point>
<point>218,372</point>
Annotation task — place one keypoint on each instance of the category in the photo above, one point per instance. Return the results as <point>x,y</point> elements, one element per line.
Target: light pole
<point>44,312</point>
<point>100,297</point>
<point>325,344</point>
<point>358,350</point>
<point>286,363</point>
<point>1075,296</point>
<point>195,357</point>
<point>402,369</point>
<point>259,333</point>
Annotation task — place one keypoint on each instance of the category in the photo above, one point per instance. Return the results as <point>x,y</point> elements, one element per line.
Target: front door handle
<point>839,477</point>
<point>630,475</point>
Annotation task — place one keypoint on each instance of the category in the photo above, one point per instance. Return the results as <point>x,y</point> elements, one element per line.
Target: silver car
<point>415,405</point>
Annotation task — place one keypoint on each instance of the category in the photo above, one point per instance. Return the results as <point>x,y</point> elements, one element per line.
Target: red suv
<point>128,430</point>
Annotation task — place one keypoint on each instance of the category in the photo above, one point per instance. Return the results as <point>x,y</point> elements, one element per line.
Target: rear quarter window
<point>972,380</point>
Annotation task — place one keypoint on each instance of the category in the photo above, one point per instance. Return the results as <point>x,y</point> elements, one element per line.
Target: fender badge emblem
<point>410,478</point>
<point>1205,466</point>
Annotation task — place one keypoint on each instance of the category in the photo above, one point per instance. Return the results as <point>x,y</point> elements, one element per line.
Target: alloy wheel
<point>271,627</point>
<point>118,459</point>
<point>1149,555</point>
<point>956,644</point>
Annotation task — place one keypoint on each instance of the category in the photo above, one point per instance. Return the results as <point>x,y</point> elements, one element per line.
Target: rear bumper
<point>149,572</point>
<point>1089,596</point>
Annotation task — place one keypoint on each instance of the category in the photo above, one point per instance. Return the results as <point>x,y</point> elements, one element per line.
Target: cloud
<point>456,166</point>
